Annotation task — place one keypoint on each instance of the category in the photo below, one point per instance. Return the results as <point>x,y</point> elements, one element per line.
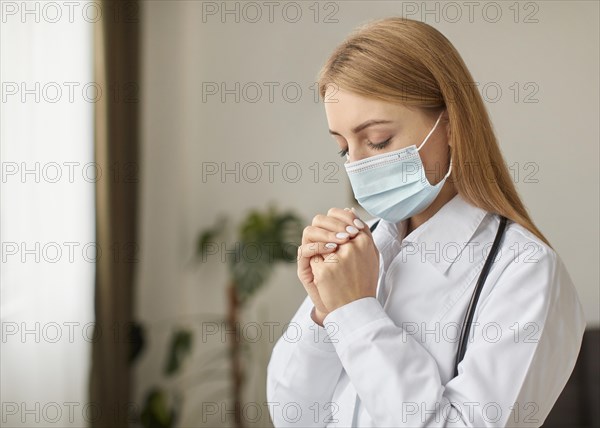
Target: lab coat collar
<point>443,237</point>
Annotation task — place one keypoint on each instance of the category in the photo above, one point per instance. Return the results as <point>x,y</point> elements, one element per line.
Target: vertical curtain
<point>47,217</point>
<point>116,68</point>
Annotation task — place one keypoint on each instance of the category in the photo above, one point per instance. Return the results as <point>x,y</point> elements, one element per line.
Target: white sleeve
<point>302,373</point>
<point>511,375</point>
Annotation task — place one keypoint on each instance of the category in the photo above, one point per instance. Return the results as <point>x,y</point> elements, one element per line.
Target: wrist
<point>316,317</point>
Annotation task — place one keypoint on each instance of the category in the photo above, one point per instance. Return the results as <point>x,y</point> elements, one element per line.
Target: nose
<point>356,152</point>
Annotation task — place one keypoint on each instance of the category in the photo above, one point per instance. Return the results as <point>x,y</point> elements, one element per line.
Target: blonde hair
<point>409,62</point>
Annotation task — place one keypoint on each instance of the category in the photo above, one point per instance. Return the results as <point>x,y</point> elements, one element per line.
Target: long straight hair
<point>409,62</point>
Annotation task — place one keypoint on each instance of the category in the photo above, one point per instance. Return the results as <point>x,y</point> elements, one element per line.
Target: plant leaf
<point>207,239</point>
<point>265,239</point>
<point>137,341</point>
<point>156,412</point>
<point>180,348</point>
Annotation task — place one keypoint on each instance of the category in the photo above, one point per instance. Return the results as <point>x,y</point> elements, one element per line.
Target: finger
<point>366,228</point>
<point>305,270</point>
<point>347,216</point>
<point>366,238</point>
<point>317,234</point>
<point>316,248</point>
<point>335,225</point>
<point>305,273</point>
<point>315,263</point>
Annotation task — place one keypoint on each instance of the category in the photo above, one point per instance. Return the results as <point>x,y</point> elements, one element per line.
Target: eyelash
<point>378,146</point>
<point>343,152</point>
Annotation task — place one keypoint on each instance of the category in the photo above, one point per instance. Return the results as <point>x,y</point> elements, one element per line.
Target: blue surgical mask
<point>393,185</point>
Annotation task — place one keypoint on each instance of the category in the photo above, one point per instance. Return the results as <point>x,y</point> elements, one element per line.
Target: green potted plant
<point>275,236</point>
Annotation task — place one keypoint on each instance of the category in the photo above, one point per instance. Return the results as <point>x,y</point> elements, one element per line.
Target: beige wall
<point>555,138</point>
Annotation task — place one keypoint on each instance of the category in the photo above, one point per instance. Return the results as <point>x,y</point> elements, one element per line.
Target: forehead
<point>346,109</point>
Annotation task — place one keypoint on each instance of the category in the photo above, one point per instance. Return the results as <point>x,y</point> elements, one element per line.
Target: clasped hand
<point>334,275</point>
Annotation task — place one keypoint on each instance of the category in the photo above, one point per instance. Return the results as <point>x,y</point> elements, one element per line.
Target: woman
<point>375,342</point>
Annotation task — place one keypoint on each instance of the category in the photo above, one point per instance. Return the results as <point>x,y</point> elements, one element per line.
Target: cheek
<point>436,164</point>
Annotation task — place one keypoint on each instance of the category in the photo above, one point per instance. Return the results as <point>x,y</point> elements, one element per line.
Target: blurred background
<point>160,159</point>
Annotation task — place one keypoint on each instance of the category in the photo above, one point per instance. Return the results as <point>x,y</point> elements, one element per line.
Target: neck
<point>448,192</point>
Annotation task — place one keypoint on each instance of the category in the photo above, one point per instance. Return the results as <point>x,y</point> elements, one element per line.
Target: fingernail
<point>341,235</point>
<point>359,223</point>
<point>330,245</point>
<point>346,209</point>
<point>352,230</point>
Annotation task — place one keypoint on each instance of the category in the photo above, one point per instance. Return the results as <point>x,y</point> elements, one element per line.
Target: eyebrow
<point>364,125</point>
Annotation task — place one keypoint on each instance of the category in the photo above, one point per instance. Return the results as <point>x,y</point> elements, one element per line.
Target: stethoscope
<point>466,325</point>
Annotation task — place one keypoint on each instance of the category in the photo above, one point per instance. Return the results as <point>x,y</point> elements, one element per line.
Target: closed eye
<point>379,146</point>
<point>376,146</point>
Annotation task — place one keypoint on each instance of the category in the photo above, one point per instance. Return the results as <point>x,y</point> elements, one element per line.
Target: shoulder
<point>527,250</point>
<point>520,251</point>
<point>525,261</point>
<point>532,276</point>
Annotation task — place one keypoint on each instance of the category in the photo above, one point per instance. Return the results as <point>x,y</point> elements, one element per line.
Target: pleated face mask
<point>393,186</point>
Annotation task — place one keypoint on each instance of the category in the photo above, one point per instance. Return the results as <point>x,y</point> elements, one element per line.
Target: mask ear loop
<point>449,167</point>
<point>426,138</point>
<point>431,132</point>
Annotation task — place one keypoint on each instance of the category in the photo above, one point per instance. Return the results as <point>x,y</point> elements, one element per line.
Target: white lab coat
<point>388,361</point>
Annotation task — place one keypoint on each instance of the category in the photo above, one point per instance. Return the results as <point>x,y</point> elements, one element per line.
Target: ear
<point>446,122</point>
